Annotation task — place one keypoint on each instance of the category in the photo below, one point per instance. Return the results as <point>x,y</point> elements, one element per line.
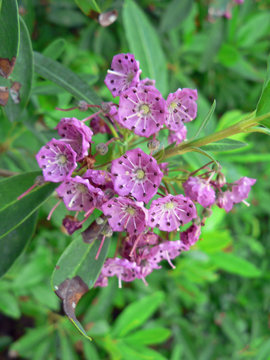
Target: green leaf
<point>263,106</point>
<point>138,353</point>
<point>65,78</point>
<point>206,120</point>
<point>77,270</point>
<point>156,335</point>
<point>175,13</point>
<point>21,77</point>
<point>145,45</point>
<point>235,265</point>
<point>224,145</point>
<point>87,5</point>
<point>215,241</point>
<point>55,49</point>
<point>9,305</point>
<point>136,314</point>
<point>13,244</point>
<point>14,212</point>
<point>253,29</point>
<point>9,36</point>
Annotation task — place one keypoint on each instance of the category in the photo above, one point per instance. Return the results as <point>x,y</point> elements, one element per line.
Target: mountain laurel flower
<point>136,174</point>
<point>199,190</point>
<point>57,160</point>
<point>241,188</point>
<point>170,212</point>
<point>76,134</point>
<point>225,200</point>
<point>125,215</point>
<point>142,110</point>
<point>181,107</point>
<point>190,236</point>
<point>124,73</point>
<point>123,269</point>
<point>166,251</point>
<point>78,194</point>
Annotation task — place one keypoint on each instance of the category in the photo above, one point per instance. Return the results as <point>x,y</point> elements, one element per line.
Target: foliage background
<point>215,304</point>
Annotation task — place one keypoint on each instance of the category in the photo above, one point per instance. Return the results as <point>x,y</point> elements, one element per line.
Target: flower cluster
<point>136,192</point>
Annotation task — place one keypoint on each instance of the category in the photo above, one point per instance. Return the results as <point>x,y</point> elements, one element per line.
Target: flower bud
<point>102,149</point>
<point>153,145</point>
<point>105,107</point>
<point>220,180</point>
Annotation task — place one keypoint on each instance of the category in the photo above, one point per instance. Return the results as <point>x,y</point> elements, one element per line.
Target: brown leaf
<point>15,92</point>
<point>70,291</point>
<point>108,18</point>
<point>7,66</point>
<point>4,94</point>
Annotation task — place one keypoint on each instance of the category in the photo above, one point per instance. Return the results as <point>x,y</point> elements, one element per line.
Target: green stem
<point>240,127</point>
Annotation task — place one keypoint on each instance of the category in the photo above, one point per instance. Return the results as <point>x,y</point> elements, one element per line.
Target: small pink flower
<point>123,269</point>
<point>136,174</point>
<point>169,212</point>
<point>177,136</point>
<point>142,110</point>
<point>199,190</point>
<point>124,73</point>
<point>76,134</point>
<point>57,160</point>
<point>225,200</point>
<point>241,188</point>
<point>190,236</point>
<point>78,194</point>
<point>166,251</point>
<point>181,108</point>
<point>125,215</point>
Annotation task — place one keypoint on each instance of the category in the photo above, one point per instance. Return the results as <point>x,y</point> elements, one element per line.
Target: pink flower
<point>125,215</point>
<point>78,194</point>
<point>166,251</point>
<point>199,190</point>
<point>57,160</point>
<point>136,174</point>
<point>181,107</point>
<point>241,188</point>
<point>76,134</point>
<point>142,110</point>
<point>190,236</point>
<point>99,126</point>
<point>169,212</point>
<point>225,200</point>
<point>122,268</point>
<point>177,136</point>
<point>124,73</point>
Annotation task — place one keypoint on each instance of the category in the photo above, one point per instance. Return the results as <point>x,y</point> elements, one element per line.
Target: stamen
<point>52,210</point>
<point>100,246</point>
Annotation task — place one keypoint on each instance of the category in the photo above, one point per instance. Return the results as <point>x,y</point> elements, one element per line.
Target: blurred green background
<point>215,304</point>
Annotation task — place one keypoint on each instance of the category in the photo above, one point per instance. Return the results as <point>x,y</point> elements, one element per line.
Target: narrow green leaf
<point>9,305</point>
<point>15,212</point>
<point>263,106</point>
<point>76,272</point>
<point>253,29</point>
<point>260,129</point>
<point>206,120</point>
<point>145,45</point>
<point>224,145</point>
<point>175,13</point>
<point>136,314</point>
<point>156,335</point>
<point>235,265</point>
<point>55,49</point>
<point>21,78</point>
<point>65,78</point>
<point>87,5</point>
<point>138,353</point>
<point>9,36</point>
<point>13,244</point>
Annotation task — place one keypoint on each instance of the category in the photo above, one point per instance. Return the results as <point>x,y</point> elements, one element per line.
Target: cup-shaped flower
<point>125,215</point>
<point>170,212</point>
<point>136,174</point>
<point>122,268</point>
<point>142,110</point>
<point>57,160</point>
<point>166,251</point>
<point>124,73</point>
<point>78,194</point>
<point>199,190</point>
<point>190,236</point>
<point>76,134</point>
<point>181,108</point>
<point>241,188</point>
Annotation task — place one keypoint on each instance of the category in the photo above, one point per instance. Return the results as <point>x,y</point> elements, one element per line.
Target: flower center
<point>172,105</point>
<point>140,174</point>
<point>62,159</point>
<point>81,188</point>
<point>170,205</point>
<point>144,109</point>
<point>130,210</point>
